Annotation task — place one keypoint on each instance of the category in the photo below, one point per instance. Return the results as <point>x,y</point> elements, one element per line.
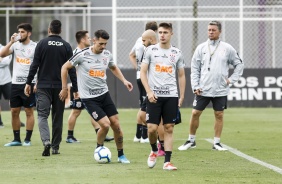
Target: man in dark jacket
<point>50,55</point>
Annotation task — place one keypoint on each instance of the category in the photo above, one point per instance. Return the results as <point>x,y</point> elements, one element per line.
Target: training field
<point>253,136</point>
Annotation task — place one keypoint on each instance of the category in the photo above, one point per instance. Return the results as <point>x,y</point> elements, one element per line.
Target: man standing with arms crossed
<point>83,40</point>
<point>91,65</point>
<point>23,49</point>
<point>159,66</point>
<point>50,55</point>
<point>210,82</point>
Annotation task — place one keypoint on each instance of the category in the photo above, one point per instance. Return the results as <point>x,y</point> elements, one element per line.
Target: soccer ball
<point>102,154</point>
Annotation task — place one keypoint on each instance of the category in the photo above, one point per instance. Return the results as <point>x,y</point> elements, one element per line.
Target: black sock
<point>120,152</point>
<point>162,145</point>
<point>139,131</point>
<point>144,132</point>
<point>154,147</point>
<point>0,118</point>
<point>17,135</point>
<point>98,145</point>
<point>96,130</point>
<point>70,133</point>
<point>28,135</point>
<point>167,156</point>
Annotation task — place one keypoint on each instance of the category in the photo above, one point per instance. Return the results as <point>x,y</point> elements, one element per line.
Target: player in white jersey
<point>83,40</point>
<point>5,82</point>
<point>91,65</point>
<point>158,74</point>
<point>135,56</point>
<point>23,50</point>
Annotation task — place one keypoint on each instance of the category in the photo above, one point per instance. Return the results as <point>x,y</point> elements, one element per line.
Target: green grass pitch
<point>252,131</point>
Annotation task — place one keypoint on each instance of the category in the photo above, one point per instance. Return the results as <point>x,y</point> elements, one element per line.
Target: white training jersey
<point>91,72</point>
<point>138,49</point>
<point>23,57</point>
<point>163,64</point>
<point>76,50</point>
<point>5,74</point>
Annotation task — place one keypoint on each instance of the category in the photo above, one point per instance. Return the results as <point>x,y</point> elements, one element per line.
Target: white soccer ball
<point>102,154</point>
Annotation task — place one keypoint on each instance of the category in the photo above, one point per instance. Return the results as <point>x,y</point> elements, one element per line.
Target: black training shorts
<point>218,103</point>
<point>5,90</point>
<point>166,107</point>
<point>19,99</point>
<point>100,106</point>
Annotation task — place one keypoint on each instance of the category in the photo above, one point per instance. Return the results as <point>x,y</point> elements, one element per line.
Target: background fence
<point>250,26</point>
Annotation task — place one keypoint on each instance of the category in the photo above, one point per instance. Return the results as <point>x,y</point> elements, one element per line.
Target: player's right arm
<point>64,75</point>
<point>5,51</point>
<point>144,79</point>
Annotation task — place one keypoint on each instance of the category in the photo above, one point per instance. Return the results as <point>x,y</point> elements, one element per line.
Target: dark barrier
<point>256,88</point>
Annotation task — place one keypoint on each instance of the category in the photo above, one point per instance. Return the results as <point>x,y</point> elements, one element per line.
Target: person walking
<point>50,55</point>
<point>210,82</point>
<point>91,64</point>
<point>158,75</point>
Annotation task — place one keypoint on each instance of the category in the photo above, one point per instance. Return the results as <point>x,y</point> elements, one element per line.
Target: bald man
<point>149,37</point>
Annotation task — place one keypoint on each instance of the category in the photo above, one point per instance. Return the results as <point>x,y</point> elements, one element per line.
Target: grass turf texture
<point>253,131</point>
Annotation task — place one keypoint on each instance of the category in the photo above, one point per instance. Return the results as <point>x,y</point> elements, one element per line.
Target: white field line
<point>252,159</point>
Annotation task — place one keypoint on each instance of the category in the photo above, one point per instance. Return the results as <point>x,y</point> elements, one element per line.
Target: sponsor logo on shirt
<point>163,68</point>
<point>21,78</point>
<point>55,43</point>
<point>106,53</point>
<point>161,90</point>
<point>173,51</point>
<point>96,91</point>
<point>97,61</point>
<point>23,60</point>
<point>96,73</point>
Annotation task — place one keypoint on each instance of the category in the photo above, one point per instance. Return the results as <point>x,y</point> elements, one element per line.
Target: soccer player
<point>83,41</point>
<point>91,64</point>
<point>135,57</point>
<point>50,55</point>
<point>5,82</point>
<point>149,37</point>
<point>158,75</point>
<point>210,82</point>
<point>23,50</point>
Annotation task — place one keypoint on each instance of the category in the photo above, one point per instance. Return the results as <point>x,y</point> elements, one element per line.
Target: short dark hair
<point>101,34</point>
<point>55,27</point>
<point>166,25</point>
<point>216,23</point>
<point>151,25</point>
<point>80,34</point>
<point>25,26</point>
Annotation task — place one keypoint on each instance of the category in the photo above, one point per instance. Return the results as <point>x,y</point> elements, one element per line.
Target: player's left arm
<point>182,85</point>
<point>238,65</point>
<point>116,71</point>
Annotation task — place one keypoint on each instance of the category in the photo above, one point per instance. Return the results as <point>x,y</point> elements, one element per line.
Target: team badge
<point>78,104</point>
<point>172,58</point>
<point>94,115</point>
<point>195,102</point>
